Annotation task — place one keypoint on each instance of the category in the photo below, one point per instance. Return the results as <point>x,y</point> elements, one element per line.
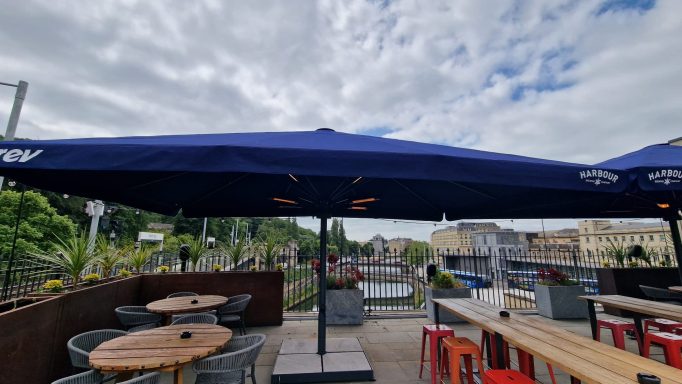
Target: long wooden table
<point>640,308</point>
<point>159,349</point>
<point>585,360</point>
<point>184,304</point>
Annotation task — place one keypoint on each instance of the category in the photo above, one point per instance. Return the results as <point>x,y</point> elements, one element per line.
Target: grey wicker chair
<point>94,377</point>
<point>196,318</point>
<point>134,315</point>
<point>143,327</point>
<point>229,367</point>
<point>181,294</point>
<point>241,342</point>
<point>81,345</point>
<point>661,294</point>
<point>233,311</point>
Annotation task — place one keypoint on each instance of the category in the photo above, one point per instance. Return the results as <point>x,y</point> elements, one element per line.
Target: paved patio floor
<point>393,346</point>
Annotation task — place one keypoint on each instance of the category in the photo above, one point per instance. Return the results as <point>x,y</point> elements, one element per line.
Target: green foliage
<point>444,280</point>
<point>618,251</point>
<point>417,252</point>
<point>237,252</point>
<point>38,226</point>
<point>197,251</point>
<point>108,256</point>
<point>172,243</point>
<point>268,247</point>
<point>72,256</point>
<point>138,258</point>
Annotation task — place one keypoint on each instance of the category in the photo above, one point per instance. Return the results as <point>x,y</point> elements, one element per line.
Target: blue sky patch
<point>377,131</point>
<point>624,5</point>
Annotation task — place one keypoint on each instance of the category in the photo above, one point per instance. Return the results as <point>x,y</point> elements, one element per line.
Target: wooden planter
<point>560,302</point>
<point>345,306</point>
<point>449,293</point>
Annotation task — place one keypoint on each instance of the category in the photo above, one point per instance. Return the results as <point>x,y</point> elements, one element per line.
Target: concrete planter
<point>560,302</point>
<point>345,306</point>
<point>449,293</point>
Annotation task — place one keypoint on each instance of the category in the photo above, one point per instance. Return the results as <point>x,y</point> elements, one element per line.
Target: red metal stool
<point>678,331</point>
<point>435,333</point>
<point>505,376</point>
<point>671,344</point>
<point>663,325</point>
<point>455,348</point>
<point>618,328</point>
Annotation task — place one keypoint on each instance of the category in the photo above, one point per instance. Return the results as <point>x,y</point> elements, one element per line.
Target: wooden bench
<point>585,360</point>
<point>640,308</point>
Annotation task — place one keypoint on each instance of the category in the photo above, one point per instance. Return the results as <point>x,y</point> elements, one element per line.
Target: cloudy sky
<point>577,81</point>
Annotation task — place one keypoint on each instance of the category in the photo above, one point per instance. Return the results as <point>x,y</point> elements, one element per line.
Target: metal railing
<point>392,281</point>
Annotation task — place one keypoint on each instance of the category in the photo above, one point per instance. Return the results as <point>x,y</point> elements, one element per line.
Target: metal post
<point>322,291</point>
<point>677,244</point>
<point>203,233</point>
<point>8,273</point>
<point>13,121</point>
<point>97,212</point>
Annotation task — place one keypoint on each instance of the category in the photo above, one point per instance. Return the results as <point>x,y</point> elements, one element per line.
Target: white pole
<point>19,97</point>
<point>203,233</point>
<point>97,212</point>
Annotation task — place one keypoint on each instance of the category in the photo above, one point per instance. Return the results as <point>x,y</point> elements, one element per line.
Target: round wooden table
<point>676,289</point>
<point>178,305</point>
<point>159,349</point>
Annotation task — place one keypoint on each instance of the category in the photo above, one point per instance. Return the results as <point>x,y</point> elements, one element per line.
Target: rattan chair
<point>94,377</point>
<point>233,311</point>
<point>229,367</point>
<point>81,345</point>
<point>143,327</point>
<point>661,294</point>
<point>181,294</point>
<point>134,315</point>
<point>196,318</point>
<point>242,342</point>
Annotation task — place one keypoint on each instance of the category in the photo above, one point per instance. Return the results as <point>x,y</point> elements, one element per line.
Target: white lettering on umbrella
<point>18,155</point>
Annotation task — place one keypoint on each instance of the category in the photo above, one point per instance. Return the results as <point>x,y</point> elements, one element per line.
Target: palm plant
<point>618,251</point>
<point>268,246</point>
<point>108,256</point>
<point>73,256</point>
<point>138,258</point>
<point>237,252</point>
<point>197,250</point>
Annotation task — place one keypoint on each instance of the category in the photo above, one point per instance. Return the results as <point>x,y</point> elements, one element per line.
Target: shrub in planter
<point>53,286</point>
<point>444,286</point>
<point>91,279</point>
<point>344,299</point>
<point>556,296</point>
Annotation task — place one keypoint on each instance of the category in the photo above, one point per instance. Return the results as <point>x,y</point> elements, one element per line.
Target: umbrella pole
<point>322,291</point>
<point>677,244</point>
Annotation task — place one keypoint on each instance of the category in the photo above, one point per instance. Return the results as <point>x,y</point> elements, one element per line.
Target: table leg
<point>177,376</point>
<point>640,332</point>
<point>499,348</point>
<point>123,376</point>
<point>167,319</point>
<point>593,318</point>
<point>436,315</point>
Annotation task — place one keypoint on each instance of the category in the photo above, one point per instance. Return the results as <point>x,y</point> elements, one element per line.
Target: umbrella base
<point>298,362</point>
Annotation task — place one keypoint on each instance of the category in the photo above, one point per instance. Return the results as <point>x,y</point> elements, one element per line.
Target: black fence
<point>391,281</point>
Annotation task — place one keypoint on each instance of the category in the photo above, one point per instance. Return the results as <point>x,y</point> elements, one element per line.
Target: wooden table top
<point>588,360</point>
<point>159,348</point>
<point>633,304</point>
<point>184,304</point>
<point>676,288</point>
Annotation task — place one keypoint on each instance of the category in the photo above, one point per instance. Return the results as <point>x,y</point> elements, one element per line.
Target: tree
<point>39,225</point>
<point>416,252</point>
<point>334,233</point>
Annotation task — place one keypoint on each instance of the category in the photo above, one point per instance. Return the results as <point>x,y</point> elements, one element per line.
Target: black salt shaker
<point>647,378</point>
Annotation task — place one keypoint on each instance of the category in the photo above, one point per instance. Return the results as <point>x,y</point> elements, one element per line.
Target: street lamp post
<point>19,97</point>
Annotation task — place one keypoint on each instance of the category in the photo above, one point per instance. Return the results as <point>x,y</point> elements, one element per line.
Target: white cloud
<point>551,79</point>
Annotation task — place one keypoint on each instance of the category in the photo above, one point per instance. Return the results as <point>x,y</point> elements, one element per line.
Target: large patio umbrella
<point>655,174</point>
<point>320,173</point>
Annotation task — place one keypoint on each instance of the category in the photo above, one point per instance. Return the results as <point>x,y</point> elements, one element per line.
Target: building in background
<point>379,244</point>
<point>398,245</point>
<point>597,235</point>
<point>566,239</point>
<point>457,239</point>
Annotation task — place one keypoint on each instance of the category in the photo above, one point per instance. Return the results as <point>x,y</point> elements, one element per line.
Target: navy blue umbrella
<point>321,173</point>
<point>655,174</point>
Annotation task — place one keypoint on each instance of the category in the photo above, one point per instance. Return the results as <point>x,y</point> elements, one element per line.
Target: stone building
<point>597,235</point>
<point>398,245</point>
<point>379,244</point>
<point>457,239</point>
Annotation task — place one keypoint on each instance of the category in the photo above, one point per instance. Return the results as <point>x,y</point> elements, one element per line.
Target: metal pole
<point>8,274</point>
<point>322,291</point>
<point>97,212</point>
<point>19,97</point>
<point>203,233</point>
<point>677,244</point>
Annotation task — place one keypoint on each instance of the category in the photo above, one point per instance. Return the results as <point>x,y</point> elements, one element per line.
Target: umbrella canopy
<point>312,174</point>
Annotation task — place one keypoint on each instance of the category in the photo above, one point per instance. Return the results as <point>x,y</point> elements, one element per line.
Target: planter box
<point>444,315</point>
<point>626,281</point>
<point>560,302</point>
<point>344,306</point>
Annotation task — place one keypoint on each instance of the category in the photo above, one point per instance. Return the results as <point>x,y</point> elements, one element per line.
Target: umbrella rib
<point>213,192</point>
<point>415,194</point>
<point>472,190</point>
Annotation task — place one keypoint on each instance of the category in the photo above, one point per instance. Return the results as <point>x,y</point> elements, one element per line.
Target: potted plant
<point>163,268</point>
<point>556,295</point>
<point>108,256</point>
<point>91,279</point>
<point>196,251</point>
<point>268,247</point>
<point>344,299</point>
<point>237,252</point>
<point>73,256</point>
<point>217,267</point>
<point>444,286</point>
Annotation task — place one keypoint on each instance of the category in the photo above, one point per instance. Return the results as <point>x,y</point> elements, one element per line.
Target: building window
<point>651,237</point>
<point>632,238</point>
<point>585,230</point>
<point>600,240</point>
<point>662,237</point>
<point>641,238</point>
<point>623,238</point>
<point>587,239</point>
